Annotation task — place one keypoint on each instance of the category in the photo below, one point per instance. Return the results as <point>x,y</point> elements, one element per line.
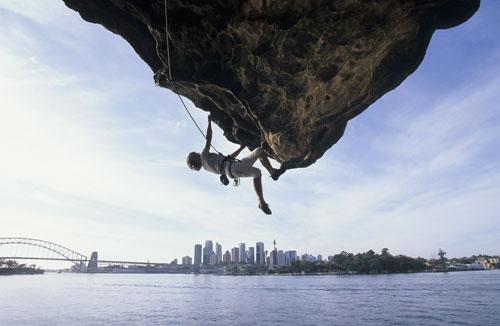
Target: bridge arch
<point>67,254</point>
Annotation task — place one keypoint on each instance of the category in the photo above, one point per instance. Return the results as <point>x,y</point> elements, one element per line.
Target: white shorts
<point>244,168</point>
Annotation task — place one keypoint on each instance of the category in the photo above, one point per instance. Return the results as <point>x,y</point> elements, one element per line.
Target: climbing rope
<point>168,44</point>
<point>169,78</point>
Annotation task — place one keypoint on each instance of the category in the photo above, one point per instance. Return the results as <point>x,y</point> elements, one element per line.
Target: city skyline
<point>93,153</point>
<point>239,255</point>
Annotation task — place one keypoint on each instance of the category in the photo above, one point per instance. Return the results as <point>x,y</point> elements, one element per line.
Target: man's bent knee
<point>255,172</point>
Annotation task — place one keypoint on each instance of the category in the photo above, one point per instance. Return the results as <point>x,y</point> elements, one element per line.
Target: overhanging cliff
<point>284,74</point>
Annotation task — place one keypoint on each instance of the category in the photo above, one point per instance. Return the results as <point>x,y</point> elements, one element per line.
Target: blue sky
<point>93,154</point>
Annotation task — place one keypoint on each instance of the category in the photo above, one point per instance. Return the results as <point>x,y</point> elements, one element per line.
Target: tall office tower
<point>235,254</point>
<point>243,254</point>
<point>320,258</point>
<point>227,257</point>
<point>186,260</point>
<point>281,258</point>
<point>304,257</point>
<point>251,255</point>
<point>260,255</point>
<point>209,248</point>
<point>274,257</point>
<point>218,253</point>
<point>212,260</point>
<point>197,255</point>
<point>290,257</point>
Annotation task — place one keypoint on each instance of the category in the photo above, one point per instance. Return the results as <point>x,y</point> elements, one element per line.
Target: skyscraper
<point>227,257</point>
<point>218,253</point>
<point>243,254</point>
<point>235,254</point>
<point>260,256</point>
<point>251,255</point>
<point>281,258</point>
<point>186,260</point>
<point>290,257</point>
<point>207,251</point>
<point>212,259</point>
<point>273,257</point>
<point>197,255</point>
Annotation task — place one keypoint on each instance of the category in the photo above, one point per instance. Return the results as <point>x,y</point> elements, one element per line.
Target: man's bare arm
<point>237,152</point>
<point>209,134</point>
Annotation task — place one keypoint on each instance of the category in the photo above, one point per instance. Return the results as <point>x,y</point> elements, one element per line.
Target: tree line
<point>362,263</point>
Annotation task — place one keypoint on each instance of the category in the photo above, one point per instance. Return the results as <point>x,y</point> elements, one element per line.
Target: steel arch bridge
<point>61,253</point>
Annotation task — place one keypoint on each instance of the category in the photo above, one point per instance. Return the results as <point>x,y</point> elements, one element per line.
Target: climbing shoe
<point>277,173</point>
<point>265,208</point>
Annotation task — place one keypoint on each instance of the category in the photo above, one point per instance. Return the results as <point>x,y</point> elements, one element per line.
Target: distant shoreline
<point>21,271</point>
<point>290,274</point>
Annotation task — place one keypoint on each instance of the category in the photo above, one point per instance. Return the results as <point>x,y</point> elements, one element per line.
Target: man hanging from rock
<point>228,166</point>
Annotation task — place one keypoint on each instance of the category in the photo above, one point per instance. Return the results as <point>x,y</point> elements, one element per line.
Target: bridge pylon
<point>92,265</point>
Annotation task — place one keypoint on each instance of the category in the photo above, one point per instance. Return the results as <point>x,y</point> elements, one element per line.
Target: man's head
<point>194,161</point>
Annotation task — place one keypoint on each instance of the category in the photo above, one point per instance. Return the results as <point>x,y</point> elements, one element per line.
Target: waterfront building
<point>174,262</point>
<point>207,251</point>
<point>243,254</point>
<point>227,257</point>
<point>251,255</point>
<point>197,255</point>
<point>186,260</point>
<point>273,257</point>
<point>260,255</point>
<point>212,259</point>
<point>290,257</point>
<point>490,262</point>
<point>218,253</point>
<point>304,257</point>
<point>280,258</point>
<point>320,258</point>
<point>235,255</point>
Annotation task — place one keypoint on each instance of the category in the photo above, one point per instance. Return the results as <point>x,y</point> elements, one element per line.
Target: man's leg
<point>257,184</point>
<point>241,170</point>
<point>259,153</point>
<point>252,157</point>
<point>266,163</point>
<point>275,173</point>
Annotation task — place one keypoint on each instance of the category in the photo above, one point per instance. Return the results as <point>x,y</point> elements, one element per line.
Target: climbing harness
<point>223,178</point>
<point>222,167</point>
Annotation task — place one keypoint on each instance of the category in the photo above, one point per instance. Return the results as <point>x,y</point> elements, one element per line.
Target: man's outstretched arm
<point>209,134</point>
<point>237,152</point>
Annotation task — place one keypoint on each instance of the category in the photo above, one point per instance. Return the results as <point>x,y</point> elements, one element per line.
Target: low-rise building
<point>186,260</point>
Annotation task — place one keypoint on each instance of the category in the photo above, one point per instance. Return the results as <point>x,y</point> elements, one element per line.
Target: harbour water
<point>459,298</point>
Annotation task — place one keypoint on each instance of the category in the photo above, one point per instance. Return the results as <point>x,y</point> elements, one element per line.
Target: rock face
<point>284,74</point>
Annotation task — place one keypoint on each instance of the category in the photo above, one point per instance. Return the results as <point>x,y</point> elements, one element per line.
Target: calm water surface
<point>461,298</point>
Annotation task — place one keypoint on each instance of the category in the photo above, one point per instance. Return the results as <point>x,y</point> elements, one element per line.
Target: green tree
<point>442,257</point>
<point>11,264</point>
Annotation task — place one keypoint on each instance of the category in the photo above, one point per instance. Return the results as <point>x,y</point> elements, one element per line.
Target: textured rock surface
<point>287,74</point>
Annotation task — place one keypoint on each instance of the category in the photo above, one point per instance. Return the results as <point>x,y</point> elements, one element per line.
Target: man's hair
<point>194,159</point>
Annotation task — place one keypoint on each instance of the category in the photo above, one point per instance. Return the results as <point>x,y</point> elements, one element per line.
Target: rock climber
<point>228,166</point>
